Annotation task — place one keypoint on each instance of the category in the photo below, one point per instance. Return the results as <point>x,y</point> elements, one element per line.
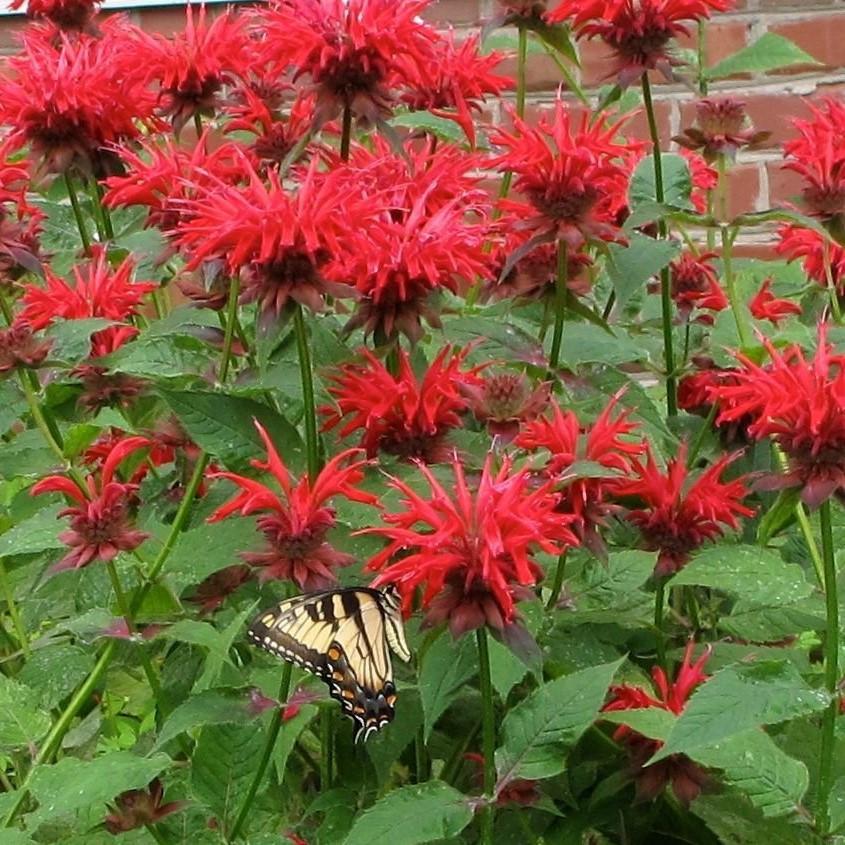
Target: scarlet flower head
<point>816,251</point>
<point>800,404</point>
<point>356,53</point>
<point>684,776</point>
<point>695,284</point>
<point>296,519</point>
<point>70,15</point>
<point>607,442</point>
<point>704,179</point>
<point>456,81</point>
<point>71,104</point>
<point>282,245</point>
<point>98,291</point>
<point>818,155</point>
<point>638,31</point>
<point>722,129</point>
<point>400,415</point>
<point>470,549</point>
<point>213,591</point>
<point>680,513</point>
<point>575,177</point>
<point>429,235</point>
<point>766,306</point>
<point>100,518</point>
<point>192,66</point>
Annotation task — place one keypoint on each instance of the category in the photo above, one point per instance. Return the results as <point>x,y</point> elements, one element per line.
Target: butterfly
<point>342,636</point>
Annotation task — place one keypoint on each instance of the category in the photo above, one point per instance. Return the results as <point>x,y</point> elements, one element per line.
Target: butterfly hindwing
<point>342,637</point>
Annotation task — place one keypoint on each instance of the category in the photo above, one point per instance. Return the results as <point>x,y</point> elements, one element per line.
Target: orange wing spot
<point>391,700</point>
<point>358,709</point>
<point>337,676</point>
<point>334,653</point>
<point>348,694</point>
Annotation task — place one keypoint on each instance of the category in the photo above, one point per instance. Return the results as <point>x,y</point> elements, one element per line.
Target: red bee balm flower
<point>766,306</point>
<point>70,104</point>
<point>193,66</point>
<point>817,252</point>
<point>680,514</point>
<point>801,405</point>
<point>400,415</point>
<point>576,178</point>
<point>458,78</point>
<point>696,285</point>
<point>282,244</point>
<point>100,521</point>
<point>604,443</point>
<point>472,550</point>
<point>818,154</point>
<point>686,778</point>
<point>355,51</point>
<point>99,292</point>
<point>72,15</point>
<point>638,31</point>
<point>295,524</point>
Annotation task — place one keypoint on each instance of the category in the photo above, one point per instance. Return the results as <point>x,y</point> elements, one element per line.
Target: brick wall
<point>818,26</point>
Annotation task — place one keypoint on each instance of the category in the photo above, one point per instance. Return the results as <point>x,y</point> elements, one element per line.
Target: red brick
<point>761,251</point>
<point>453,11</point>
<point>10,29</point>
<point>722,39</point>
<point>541,72</point>
<point>784,185</point>
<point>637,125</point>
<point>819,35</point>
<point>165,20</point>
<point>743,189</point>
<point>597,63</point>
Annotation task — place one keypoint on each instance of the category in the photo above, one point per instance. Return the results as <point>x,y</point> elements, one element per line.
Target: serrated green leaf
<point>677,182</point>
<point>211,707</point>
<point>780,515</point>
<point>22,722</point>
<point>56,671</point>
<point>649,721</point>
<point>425,121</point>
<point>750,761</point>
<point>584,343</point>
<point>223,426</point>
<point>385,747</point>
<point>539,731</point>
<point>631,266</point>
<point>755,694</point>
<point>36,534</point>
<point>73,784</point>
<point>160,357</point>
<point>769,52</point>
<point>447,666</point>
<point>72,338</point>
<point>413,815</point>
<point>506,669</point>
<point>223,764</point>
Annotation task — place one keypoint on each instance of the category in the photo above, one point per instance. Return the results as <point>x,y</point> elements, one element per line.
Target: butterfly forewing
<point>342,637</point>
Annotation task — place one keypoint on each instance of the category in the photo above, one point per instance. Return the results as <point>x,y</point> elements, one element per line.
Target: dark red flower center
<point>565,204</point>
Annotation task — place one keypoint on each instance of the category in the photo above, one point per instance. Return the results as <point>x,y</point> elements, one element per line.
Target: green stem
<point>420,756</point>
<point>77,213</point>
<point>270,745</point>
<point>702,58</point>
<point>521,63</point>
<point>108,228</point>
<point>557,584</point>
<point>20,630</point>
<point>831,668</point>
<point>831,286</point>
<point>488,728</point>
<point>229,331</point>
<point>659,601</point>
<point>665,289</point>
<point>560,307</point>
<point>346,133</point>
<point>123,608</point>
<point>156,834</point>
<point>307,377</point>
<point>198,124</point>
<point>699,438</point>
<point>737,306</point>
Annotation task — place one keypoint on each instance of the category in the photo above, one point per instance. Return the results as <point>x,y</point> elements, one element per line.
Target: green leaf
<point>769,52</point>
<point>72,338</point>
<point>631,266</point>
<point>677,182</point>
<point>221,544</point>
<point>36,534</point>
<point>539,731</point>
<point>506,669</point>
<point>211,707</point>
<point>158,357</point>
<point>22,722</point>
<point>385,747</point>
<point>223,764</point>
<point>424,121</point>
<point>773,781</point>
<point>650,721</point>
<point>413,815</point>
<point>837,805</point>
<point>446,669</point>
<point>14,837</point>
<point>779,515</point>
<point>755,694</point>
<point>73,784</point>
<point>223,426</point>
<point>584,343</point>
<point>56,671</point>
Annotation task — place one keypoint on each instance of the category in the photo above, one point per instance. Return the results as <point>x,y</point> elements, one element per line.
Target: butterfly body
<point>344,637</point>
